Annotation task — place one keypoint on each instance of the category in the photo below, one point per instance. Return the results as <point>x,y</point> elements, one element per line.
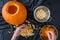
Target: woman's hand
<point>17,31</point>
<point>51,35</point>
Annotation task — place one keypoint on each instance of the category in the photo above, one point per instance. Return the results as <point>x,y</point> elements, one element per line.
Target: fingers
<point>51,35</point>
<point>20,28</point>
<point>23,26</point>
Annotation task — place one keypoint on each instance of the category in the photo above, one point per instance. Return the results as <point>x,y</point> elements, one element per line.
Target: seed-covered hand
<point>17,31</point>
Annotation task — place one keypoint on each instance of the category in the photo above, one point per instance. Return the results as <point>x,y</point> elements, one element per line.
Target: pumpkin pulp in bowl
<point>48,32</point>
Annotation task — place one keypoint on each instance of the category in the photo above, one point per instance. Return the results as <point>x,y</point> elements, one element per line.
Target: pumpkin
<point>14,13</point>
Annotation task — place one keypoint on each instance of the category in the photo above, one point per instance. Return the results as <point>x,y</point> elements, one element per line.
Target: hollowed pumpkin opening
<point>12,9</point>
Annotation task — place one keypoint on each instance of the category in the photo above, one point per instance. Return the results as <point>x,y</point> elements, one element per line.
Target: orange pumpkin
<point>14,12</point>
